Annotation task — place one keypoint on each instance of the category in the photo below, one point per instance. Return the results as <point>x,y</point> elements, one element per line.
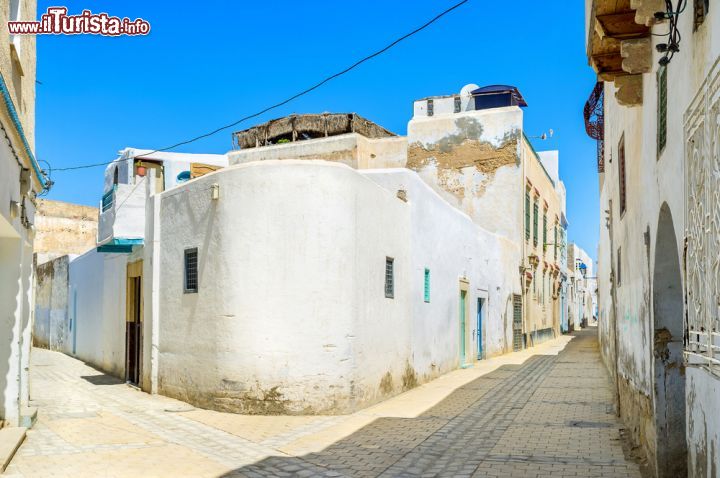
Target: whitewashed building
<point>329,266</point>
<point>21,181</point>
<point>655,114</point>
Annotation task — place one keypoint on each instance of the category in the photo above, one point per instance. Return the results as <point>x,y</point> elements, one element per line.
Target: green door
<point>462,327</point>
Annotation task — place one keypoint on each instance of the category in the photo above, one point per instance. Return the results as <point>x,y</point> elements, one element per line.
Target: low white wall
<point>51,325</point>
<point>96,300</point>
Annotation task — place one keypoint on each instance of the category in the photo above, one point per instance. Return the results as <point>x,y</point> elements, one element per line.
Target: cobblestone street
<point>543,412</point>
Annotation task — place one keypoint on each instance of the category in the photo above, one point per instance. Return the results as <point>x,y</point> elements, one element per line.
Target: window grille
<point>427,285</point>
<point>702,208</point>
<point>458,105</point>
<point>621,173</point>
<point>619,266</point>
<point>661,109</point>
<point>544,230</point>
<point>389,277</point>
<point>430,108</point>
<point>191,270</point>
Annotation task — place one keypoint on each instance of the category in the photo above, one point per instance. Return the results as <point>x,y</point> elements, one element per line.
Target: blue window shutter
<point>427,285</point>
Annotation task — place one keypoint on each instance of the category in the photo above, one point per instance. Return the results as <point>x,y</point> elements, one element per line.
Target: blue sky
<point>206,66</point>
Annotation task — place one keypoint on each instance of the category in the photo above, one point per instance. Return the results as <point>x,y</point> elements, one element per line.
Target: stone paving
<point>542,412</point>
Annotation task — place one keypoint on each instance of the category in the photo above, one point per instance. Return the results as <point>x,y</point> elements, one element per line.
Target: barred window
<point>191,270</point>
<point>458,105</point>
<point>619,266</point>
<point>661,109</point>
<point>430,108</point>
<point>389,277</point>
<point>544,230</point>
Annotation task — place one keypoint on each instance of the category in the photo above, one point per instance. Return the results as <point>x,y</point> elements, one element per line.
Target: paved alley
<point>544,412</point>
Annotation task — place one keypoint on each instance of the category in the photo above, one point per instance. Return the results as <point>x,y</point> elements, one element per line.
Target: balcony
<point>619,47</point>
<point>122,218</point>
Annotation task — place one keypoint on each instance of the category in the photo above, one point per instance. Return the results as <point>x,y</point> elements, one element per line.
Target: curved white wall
<point>291,315</point>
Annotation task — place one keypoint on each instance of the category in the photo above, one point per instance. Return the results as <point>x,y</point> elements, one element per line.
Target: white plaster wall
<point>96,299</point>
<point>17,293</point>
<point>703,422</point>
<point>126,217</point>
<point>446,241</point>
<point>290,315</point>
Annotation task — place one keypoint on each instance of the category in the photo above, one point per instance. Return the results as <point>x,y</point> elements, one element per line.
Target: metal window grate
<point>621,173</point>
<point>544,230</point>
<point>661,109</point>
<point>517,322</point>
<point>457,104</point>
<point>191,270</point>
<point>426,282</point>
<point>389,277</point>
<point>430,108</point>
<point>619,266</point>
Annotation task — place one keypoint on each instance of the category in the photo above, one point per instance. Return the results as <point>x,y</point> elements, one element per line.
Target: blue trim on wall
<point>18,126</point>
<point>120,246</point>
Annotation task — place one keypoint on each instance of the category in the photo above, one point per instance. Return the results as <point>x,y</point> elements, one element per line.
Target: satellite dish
<point>466,97</point>
<point>467,89</point>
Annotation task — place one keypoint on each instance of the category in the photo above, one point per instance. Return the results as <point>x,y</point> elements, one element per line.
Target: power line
<point>284,102</point>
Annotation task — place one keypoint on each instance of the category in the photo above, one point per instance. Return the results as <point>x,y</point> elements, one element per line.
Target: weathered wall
<point>472,159</point>
<point>97,310</point>
<point>654,179</point>
<point>51,327</point>
<point>703,423</point>
<point>63,228</point>
<point>351,149</point>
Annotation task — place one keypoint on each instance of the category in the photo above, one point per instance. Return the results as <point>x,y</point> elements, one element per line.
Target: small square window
<point>389,277</point>
<point>191,271</point>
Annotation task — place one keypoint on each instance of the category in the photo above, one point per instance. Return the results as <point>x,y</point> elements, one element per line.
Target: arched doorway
<point>668,366</point>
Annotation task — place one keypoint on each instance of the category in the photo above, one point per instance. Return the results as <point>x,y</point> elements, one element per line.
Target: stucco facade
<point>294,318</point>
<point>20,182</point>
<point>660,134</point>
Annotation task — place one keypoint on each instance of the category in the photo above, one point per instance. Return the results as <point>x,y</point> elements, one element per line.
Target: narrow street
<point>545,412</point>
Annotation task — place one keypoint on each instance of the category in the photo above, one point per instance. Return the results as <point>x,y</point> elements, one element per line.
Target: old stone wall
<point>63,228</point>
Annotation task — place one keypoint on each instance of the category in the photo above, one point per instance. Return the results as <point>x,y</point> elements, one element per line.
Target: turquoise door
<point>479,328</point>
<point>462,326</point>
